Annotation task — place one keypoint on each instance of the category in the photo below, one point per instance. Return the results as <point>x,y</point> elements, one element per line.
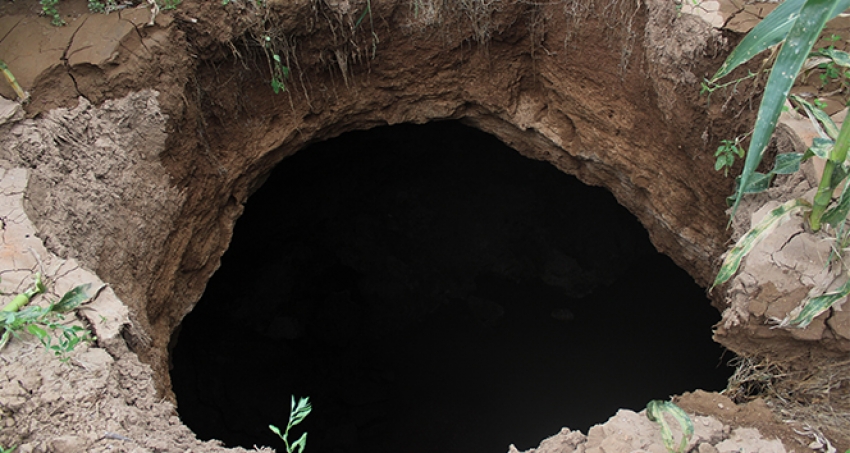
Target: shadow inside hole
<point>432,290</point>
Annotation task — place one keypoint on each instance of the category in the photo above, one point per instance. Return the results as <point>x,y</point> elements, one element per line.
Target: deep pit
<point>432,290</point>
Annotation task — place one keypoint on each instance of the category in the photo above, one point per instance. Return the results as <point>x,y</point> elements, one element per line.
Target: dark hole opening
<point>432,290</point>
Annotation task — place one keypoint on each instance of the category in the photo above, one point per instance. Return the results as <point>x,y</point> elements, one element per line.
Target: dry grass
<point>814,393</point>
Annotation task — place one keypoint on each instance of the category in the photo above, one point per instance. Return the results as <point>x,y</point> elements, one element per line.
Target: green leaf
<point>819,116</point>
<point>73,299</point>
<point>655,411</point>
<point>276,430</point>
<point>817,305</point>
<point>840,57</point>
<point>300,411</point>
<point>37,331</point>
<point>837,215</point>
<point>766,34</point>
<point>756,234</point>
<point>771,31</point>
<point>787,163</point>
<point>758,183</point>
<point>300,444</point>
<point>820,148</point>
<point>798,44</point>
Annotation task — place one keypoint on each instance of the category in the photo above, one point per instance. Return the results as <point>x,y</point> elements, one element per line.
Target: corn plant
<point>796,25</point>
<point>42,322</point>
<point>655,411</point>
<point>297,413</point>
<point>23,96</point>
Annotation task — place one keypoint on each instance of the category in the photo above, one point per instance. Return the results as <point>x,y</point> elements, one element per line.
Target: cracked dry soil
<point>144,137</point>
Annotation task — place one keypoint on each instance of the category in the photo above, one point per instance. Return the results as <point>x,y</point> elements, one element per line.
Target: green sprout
<point>655,412</point>
<point>40,322</point>
<point>48,8</point>
<point>726,153</point>
<point>297,413</point>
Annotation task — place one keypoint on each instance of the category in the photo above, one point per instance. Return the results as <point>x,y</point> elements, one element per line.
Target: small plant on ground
<point>8,450</point>
<point>655,412</point>
<point>48,8</point>
<point>45,323</point>
<point>297,413</point>
<point>826,60</point>
<point>166,5</point>
<point>98,6</point>
<point>726,154</point>
<point>796,25</point>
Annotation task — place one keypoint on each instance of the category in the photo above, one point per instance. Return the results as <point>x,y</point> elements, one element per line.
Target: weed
<point>166,5</point>
<point>48,8</point>
<point>726,153</point>
<point>297,413</point>
<point>98,6</point>
<point>279,71</point>
<point>41,322</point>
<point>655,412</point>
<point>796,24</point>
<point>8,450</point>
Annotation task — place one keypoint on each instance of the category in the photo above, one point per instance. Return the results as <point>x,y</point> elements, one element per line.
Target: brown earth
<point>143,139</point>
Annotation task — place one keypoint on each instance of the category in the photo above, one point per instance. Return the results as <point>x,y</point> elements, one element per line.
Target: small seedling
<point>726,154</point>
<point>297,413</point>
<point>48,8</point>
<point>655,411</point>
<point>41,322</point>
<point>8,450</point>
<point>166,5</point>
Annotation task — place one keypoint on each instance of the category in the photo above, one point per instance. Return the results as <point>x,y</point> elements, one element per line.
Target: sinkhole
<point>430,289</point>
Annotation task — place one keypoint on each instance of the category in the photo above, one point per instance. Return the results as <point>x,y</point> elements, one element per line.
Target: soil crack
<point>65,57</point>
<point>11,29</point>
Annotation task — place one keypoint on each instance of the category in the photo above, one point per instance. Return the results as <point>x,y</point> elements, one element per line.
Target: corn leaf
<point>655,411</point>
<point>758,183</point>
<point>840,57</point>
<point>771,31</point>
<point>820,148</point>
<point>813,307</point>
<point>756,234</point>
<point>798,43</point>
<point>818,117</point>
<point>837,215</point>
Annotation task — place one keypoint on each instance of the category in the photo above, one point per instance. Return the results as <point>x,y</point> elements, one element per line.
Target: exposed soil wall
<point>620,112</point>
<point>145,191</point>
